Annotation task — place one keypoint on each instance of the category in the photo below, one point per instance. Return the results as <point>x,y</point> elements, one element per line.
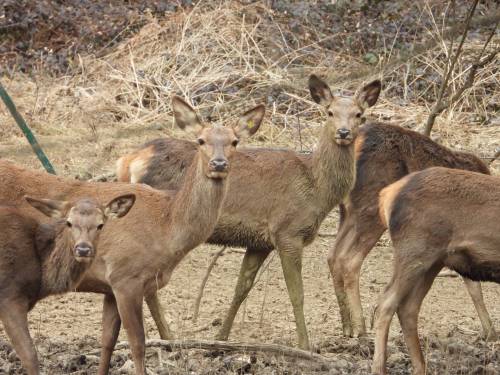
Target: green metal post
<point>26,130</point>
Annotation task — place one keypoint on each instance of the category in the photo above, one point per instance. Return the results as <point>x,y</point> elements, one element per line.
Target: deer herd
<point>124,239</point>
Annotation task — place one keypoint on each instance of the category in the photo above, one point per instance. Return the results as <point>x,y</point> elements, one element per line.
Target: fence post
<point>26,130</point>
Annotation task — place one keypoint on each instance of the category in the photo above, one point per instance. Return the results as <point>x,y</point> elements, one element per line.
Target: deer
<point>42,259</point>
<point>295,192</point>
<point>385,154</point>
<point>138,253</point>
<point>437,218</point>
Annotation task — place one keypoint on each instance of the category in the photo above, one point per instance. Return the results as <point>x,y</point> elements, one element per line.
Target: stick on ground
<point>227,346</point>
<point>204,283</point>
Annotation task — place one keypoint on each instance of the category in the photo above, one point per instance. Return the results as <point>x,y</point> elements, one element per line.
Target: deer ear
<point>49,207</point>
<point>368,95</point>
<point>119,206</point>
<point>185,115</point>
<point>320,91</point>
<point>250,121</point>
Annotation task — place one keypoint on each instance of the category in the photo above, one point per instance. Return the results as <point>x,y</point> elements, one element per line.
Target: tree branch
<point>439,106</point>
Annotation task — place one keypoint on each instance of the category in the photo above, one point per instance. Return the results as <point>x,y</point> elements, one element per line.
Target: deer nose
<point>343,133</point>
<point>219,165</point>
<point>83,250</point>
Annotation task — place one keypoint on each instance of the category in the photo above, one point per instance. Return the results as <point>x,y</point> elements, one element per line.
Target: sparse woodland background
<point>101,75</point>
<point>94,80</point>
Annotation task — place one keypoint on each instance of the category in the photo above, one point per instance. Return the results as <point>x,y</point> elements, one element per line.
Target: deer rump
<point>426,208</point>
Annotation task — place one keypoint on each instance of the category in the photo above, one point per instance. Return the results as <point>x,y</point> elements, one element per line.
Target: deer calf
<point>38,260</point>
<point>436,218</point>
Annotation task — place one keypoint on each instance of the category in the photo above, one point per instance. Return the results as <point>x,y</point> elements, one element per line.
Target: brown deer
<point>436,218</point>
<point>277,199</point>
<point>385,153</point>
<point>138,253</point>
<point>38,260</point>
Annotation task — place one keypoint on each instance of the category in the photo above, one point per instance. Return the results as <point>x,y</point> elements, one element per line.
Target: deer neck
<point>61,272</point>
<point>196,209</point>
<point>333,169</point>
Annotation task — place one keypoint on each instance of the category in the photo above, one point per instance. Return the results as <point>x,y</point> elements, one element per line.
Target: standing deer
<point>436,218</point>
<point>38,260</point>
<point>385,153</point>
<point>277,199</point>
<point>138,253</point>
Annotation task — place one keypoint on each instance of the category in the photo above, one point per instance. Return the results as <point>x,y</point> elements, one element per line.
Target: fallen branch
<point>227,346</point>
<point>204,283</point>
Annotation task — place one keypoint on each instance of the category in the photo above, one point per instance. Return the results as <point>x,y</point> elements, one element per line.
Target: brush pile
<point>228,56</point>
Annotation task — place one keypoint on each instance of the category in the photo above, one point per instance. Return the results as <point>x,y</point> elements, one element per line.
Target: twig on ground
<point>227,346</point>
<point>204,283</point>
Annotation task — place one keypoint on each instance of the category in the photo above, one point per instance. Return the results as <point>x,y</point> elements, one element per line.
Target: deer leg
<point>158,315</point>
<point>386,308</point>
<point>359,243</point>
<point>14,315</point>
<point>129,301</point>
<point>111,323</point>
<point>341,242</point>
<point>476,293</point>
<point>252,261</point>
<point>291,262</point>
<point>408,312</point>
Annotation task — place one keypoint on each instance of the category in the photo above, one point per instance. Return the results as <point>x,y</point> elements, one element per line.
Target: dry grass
<point>225,59</point>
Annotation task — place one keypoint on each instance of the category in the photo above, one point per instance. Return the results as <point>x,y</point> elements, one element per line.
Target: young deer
<point>277,199</point>
<point>385,153</point>
<point>138,253</point>
<point>38,260</point>
<point>436,218</point>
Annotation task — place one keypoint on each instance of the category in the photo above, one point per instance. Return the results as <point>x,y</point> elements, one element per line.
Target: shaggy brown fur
<point>437,218</point>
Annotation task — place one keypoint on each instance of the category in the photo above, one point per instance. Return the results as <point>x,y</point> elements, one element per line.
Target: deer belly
<point>474,264</point>
<point>240,235</point>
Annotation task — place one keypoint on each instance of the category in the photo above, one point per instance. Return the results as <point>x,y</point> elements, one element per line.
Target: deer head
<point>216,143</point>
<point>84,220</point>
<point>345,114</point>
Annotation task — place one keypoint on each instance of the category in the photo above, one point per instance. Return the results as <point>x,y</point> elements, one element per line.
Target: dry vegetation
<point>229,55</point>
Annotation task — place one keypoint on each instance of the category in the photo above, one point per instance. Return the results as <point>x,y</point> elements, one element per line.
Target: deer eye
<point>201,142</point>
<point>68,224</point>
<point>330,113</point>
<point>235,143</point>
<point>358,115</point>
<point>100,226</point>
